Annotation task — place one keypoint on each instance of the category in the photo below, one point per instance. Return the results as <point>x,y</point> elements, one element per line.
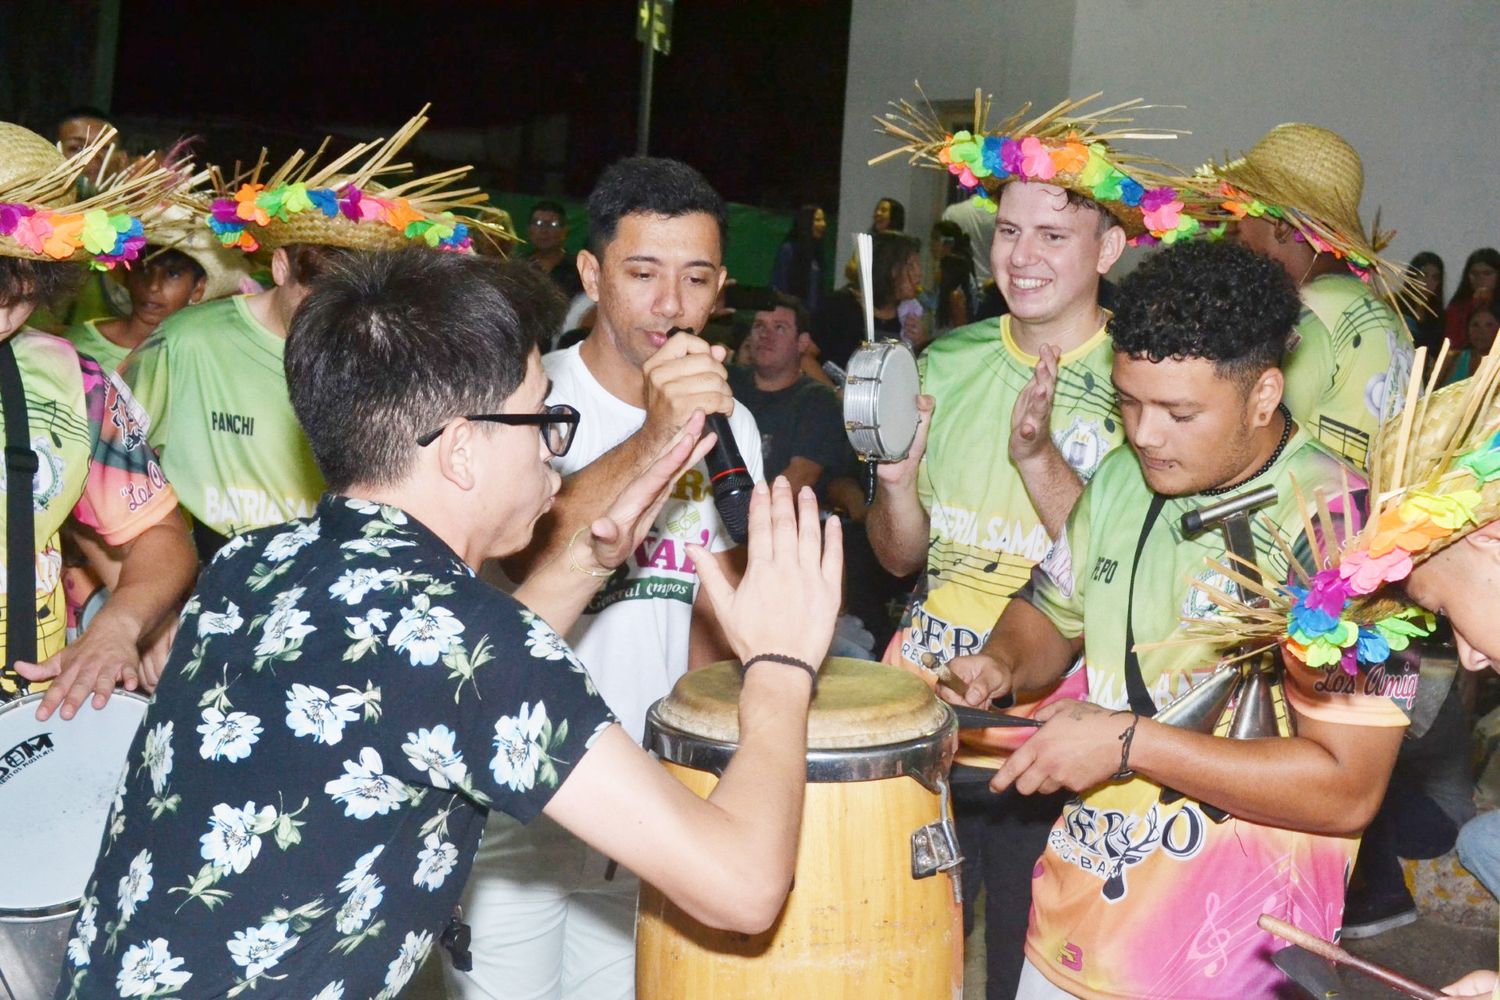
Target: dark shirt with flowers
<point>300,809</point>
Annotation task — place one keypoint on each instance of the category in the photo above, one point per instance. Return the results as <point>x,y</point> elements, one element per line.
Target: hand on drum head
<point>686,374</point>
<point>903,474</point>
<point>1031,418</point>
<point>103,659</point>
<point>986,677</point>
<point>789,596</point>
<point>615,535</point>
<point>1479,983</point>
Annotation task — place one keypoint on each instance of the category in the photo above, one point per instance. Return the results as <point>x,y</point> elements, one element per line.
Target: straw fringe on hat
<point>40,218</point>
<point>1435,477</point>
<point>1311,178</point>
<point>1065,146</point>
<point>353,202</point>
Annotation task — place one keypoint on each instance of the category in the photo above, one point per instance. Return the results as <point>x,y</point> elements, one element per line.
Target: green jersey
<point>1347,370</point>
<point>1092,576</point>
<point>211,379</point>
<point>86,337</point>
<point>985,535</point>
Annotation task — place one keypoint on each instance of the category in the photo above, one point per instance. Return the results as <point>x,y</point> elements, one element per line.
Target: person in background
<point>976,217</point>
<point>1478,339</point>
<point>1295,199</point>
<point>547,232</point>
<point>839,325</point>
<point>889,217</point>
<point>798,270</point>
<point>1422,307</point>
<point>1476,286</point>
<point>801,422</point>
<point>77,128</point>
<point>951,299</point>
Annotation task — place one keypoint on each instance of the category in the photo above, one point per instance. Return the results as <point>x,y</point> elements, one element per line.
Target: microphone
<point>727,472</point>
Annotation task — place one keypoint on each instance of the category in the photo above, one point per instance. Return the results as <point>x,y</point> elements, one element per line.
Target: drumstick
<point>864,249</point>
<point>947,678</point>
<point>1337,955</point>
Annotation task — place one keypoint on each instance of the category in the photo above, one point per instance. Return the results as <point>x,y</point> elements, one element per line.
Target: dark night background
<point>752,93</point>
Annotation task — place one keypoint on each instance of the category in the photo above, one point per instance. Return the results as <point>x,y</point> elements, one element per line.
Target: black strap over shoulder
<point>21,465</point>
<point>1135,682</point>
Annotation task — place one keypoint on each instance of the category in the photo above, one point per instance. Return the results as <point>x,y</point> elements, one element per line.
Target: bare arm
<point>1328,779</point>
<point>560,588</point>
<point>158,569</point>
<point>896,523</point>
<point>1025,652</point>
<point>1052,485</point>
<point>685,375</point>
<point>802,472</point>
<point>728,860</point>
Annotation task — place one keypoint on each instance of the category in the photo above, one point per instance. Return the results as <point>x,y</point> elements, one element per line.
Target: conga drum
<point>874,910</point>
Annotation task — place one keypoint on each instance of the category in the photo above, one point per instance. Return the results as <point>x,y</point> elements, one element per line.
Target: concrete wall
<point>1409,85</point>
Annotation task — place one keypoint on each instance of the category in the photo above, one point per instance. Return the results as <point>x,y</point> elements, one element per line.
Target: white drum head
<point>896,404</point>
<point>57,783</point>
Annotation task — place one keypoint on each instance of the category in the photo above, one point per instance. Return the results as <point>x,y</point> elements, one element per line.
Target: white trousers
<point>546,923</point>
<point>1035,986</point>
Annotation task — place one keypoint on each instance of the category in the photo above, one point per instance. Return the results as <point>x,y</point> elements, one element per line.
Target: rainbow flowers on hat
<point>231,219</point>
<point>1063,147</point>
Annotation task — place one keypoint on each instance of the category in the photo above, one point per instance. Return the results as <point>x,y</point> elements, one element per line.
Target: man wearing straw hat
<point>75,443</point>
<point>1295,198</point>
<point>1194,816</point>
<point>1065,203</point>
<point>211,376</point>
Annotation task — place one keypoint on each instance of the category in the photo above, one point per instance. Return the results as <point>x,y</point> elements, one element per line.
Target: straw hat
<point>1312,179</point>
<point>40,219</point>
<point>350,202</point>
<point>181,229</point>
<point>1434,478</point>
<point>1063,146</point>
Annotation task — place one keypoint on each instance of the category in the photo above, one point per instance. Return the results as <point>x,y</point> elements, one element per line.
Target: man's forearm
<point>1026,640</point>
<point>1053,486</point>
<point>557,592</point>
<point>898,527</point>
<point>1294,783</point>
<point>158,570</point>
<point>584,497</point>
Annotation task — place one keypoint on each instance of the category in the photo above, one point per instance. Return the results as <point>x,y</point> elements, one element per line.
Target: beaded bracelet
<point>790,661</point>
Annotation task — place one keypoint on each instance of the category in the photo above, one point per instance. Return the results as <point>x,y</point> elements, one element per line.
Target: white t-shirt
<point>633,637</point>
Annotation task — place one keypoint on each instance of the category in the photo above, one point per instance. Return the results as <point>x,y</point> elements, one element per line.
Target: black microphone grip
<point>731,480</point>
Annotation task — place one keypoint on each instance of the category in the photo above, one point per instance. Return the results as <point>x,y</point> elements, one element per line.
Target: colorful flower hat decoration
<point>1063,146</point>
<point>1311,179</point>
<point>40,219</point>
<point>351,202</point>
<point>1435,477</point>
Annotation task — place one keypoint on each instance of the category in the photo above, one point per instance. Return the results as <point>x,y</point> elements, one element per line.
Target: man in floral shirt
<point>346,700</point>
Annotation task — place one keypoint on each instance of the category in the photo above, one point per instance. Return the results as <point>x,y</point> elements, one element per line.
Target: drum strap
<point>1135,683</point>
<point>20,532</point>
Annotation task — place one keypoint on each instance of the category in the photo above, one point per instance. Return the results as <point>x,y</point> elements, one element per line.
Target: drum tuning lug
<point>934,848</point>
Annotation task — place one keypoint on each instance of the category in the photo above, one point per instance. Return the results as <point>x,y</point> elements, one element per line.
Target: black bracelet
<point>1125,740</point>
<point>790,661</point>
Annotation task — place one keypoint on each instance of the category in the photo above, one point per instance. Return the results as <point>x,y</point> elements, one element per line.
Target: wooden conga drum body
<point>874,910</point>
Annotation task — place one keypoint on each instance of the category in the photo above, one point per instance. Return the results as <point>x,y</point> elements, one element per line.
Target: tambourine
<point>880,400</point>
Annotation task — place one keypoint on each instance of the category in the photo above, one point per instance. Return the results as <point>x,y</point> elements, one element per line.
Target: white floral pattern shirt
<point>344,702</point>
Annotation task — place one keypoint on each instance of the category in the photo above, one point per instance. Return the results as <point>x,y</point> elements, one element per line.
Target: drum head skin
<point>858,704</point>
<point>57,783</point>
<point>880,400</point>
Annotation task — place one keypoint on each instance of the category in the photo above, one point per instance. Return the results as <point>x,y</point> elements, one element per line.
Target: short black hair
<point>38,282</point>
<point>891,251</point>
<point>170,257</point>
<point>389,345</point>
<point>1207,299</point>
<point>781,300</point>
<point>80,111</point>
<point>651,186</point>
<point>547,206</point>
<point>307,262</point>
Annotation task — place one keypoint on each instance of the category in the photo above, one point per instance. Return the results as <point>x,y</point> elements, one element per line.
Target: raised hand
<point>685,375</point>
<point>1031,418</point>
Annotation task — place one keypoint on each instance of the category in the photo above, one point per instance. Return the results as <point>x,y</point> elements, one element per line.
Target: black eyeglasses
<point>558,424</point>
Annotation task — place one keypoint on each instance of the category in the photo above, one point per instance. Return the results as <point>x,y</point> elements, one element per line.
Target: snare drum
<point>880,400</point>
<point>57,783</point>
<point>874,908</point>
